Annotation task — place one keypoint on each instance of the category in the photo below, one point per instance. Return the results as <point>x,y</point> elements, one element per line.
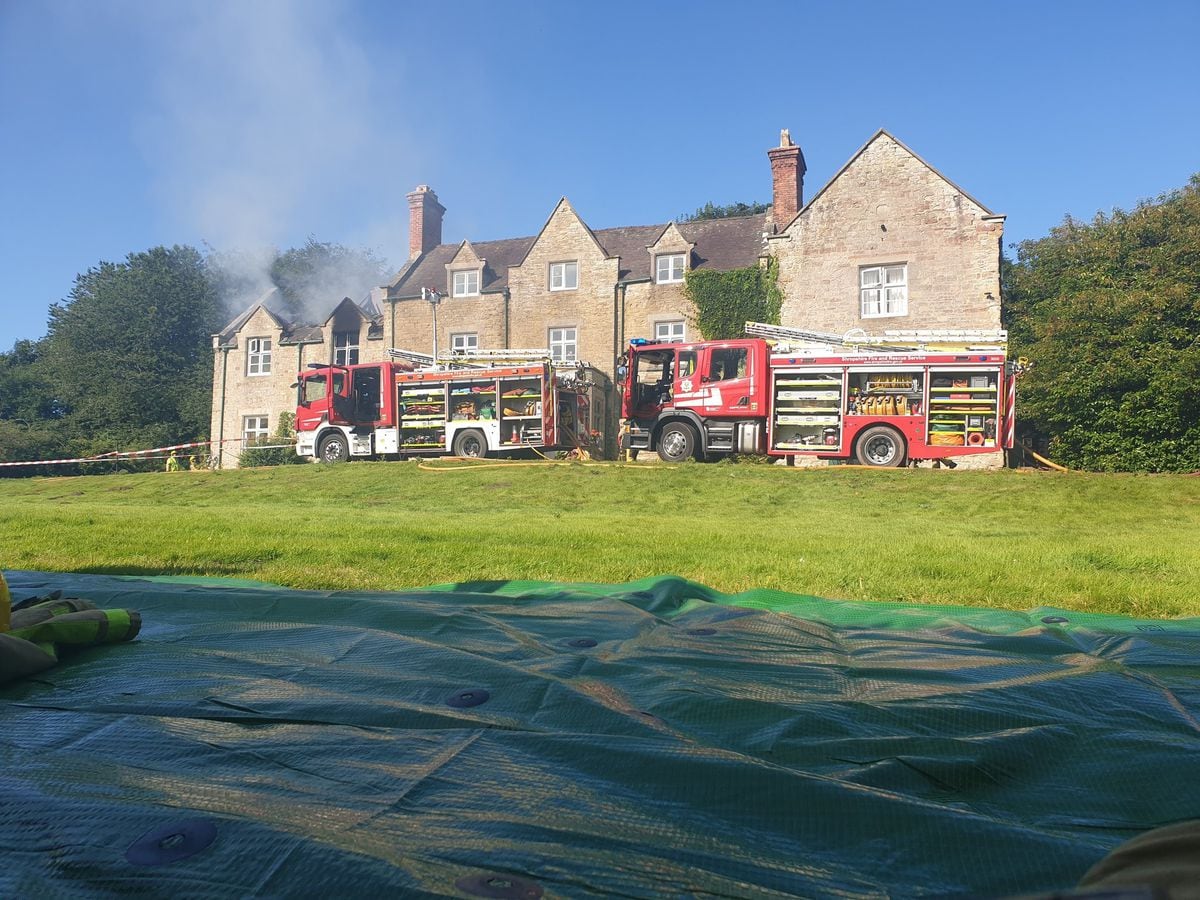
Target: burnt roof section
<point>721,244</point>
<point>296,332</point>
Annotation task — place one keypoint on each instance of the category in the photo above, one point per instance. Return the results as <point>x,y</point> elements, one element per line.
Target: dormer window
<point>564,276</point>
<point>258,356</point>
<point>669,268</point>
<point>466,283</point>
<point>345,348</point>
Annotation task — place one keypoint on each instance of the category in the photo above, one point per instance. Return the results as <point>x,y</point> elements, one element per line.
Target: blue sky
<point>127,124</point>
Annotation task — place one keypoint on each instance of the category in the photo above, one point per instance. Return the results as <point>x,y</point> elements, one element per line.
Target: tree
<point>1109,314</point>
<point>127,352</point>
<point>26,393</point>
<point>731,210</point>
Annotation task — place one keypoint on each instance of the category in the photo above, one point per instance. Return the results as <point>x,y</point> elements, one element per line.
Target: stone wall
<point>482,315</point>
<point>889,207</point>
<point>536,309</point>
<point>253,395</point>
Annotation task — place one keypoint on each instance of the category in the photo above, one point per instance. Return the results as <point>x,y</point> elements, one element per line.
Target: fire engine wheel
<point>471,444</point>
<point>677,442</point>
<point>333,449</point>
<point>880,446</point>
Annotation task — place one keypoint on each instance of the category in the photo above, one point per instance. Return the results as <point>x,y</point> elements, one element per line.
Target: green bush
<point>1109,315</point>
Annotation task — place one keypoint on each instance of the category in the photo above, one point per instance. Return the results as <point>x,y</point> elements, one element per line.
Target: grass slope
<point>1104,543</point>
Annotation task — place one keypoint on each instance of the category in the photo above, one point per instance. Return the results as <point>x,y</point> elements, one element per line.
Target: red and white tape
<point>115,455</point>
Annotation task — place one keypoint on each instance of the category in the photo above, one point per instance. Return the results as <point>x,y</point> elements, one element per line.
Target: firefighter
<point>172,462</point>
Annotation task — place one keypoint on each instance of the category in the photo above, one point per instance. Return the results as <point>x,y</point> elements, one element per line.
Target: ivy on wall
<point>726,301</point>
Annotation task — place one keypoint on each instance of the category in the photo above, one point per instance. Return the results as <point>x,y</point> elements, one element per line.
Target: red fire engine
<point>907,397</point>
<point>473,409</point>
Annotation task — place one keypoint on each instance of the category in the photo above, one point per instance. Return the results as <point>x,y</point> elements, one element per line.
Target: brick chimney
<point>424,221</point>
<point>787,177</point>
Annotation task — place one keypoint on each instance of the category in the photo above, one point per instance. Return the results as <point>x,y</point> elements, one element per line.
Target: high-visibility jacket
<point>33,636</point>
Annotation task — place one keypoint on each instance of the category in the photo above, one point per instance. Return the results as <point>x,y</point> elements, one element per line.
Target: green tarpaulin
<point>652,739</point>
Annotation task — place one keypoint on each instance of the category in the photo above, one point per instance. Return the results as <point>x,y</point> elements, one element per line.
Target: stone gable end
<point>536,310</point>
<point>252,395</point>
<point>887,207</point>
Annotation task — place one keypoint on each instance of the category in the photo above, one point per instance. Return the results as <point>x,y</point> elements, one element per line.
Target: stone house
<point>887,243</point>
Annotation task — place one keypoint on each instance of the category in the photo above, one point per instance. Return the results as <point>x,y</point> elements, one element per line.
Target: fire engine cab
<point>905,397</point>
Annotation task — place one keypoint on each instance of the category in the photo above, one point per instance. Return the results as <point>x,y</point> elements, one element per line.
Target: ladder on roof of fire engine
<point>412,356</point>
<point>535,354</point>
<point>898,340</point>
<point>514,355</point>
<point>480,359</point>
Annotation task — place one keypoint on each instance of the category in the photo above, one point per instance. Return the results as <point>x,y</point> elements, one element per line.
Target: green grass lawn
<point>1013,539</point>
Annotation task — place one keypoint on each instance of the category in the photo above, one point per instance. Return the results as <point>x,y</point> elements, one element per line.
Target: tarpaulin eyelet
<point>581,642</point>
<point>172,842</point>
<point>1054,620</point>
<point>468,698</point>
<point>702,632</point>
<point>503,887</point>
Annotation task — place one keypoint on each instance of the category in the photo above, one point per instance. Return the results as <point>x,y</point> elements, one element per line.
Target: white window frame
<point>342,355</point>
<point>467,286</point>
<point>258,356</point>
<point>671,332</point>
<point>564,343</point>
<point>464,342</point>
<point>676,266</point>
<point>883,291</point>
<point>260,429</point>
<point>559,272</point>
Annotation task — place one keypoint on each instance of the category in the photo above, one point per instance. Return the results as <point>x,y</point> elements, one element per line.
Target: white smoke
<point>263,117</point>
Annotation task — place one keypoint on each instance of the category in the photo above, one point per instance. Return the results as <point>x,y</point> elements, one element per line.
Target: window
<point>466,284</point>
<point>884,291</point>
<point>312,389</point>
<point>725,365</point>
<point>345,348</point>
<point>563,344</point>
<point>668,332</point>
<point>258,356</point>
<point>462,343</point>
<point>254,428</point>
<point>669,268</point>
<point>564,276</point>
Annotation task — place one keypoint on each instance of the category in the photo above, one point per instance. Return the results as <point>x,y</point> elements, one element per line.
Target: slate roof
<point>720,244</point>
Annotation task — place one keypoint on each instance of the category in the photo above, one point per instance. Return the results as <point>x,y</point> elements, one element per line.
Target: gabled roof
<point>354,307</point>
<point>228,334</point>
<point>429,269</point>
<point>563,201</point>
<point>883,132</point>
<point>720,244</point>
<point>291,332</point>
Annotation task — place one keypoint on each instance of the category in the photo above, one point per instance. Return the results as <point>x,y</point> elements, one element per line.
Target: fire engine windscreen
<point>651,739</point>
<point>316,387</point>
